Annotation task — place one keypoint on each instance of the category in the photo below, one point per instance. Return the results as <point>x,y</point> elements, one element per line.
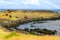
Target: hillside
<point>13,18</point>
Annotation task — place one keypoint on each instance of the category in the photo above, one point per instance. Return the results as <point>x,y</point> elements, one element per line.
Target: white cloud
<point>7,2</point>
<point>32,2</point>
<point>1,1</point>
<point>50,3</point>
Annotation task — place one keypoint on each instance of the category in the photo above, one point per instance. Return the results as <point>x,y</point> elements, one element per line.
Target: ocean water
<point>57,10</point>
<point>50,25</point>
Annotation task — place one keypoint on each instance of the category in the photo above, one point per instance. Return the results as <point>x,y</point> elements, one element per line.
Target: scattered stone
<point>10,16</point>
<point>6,14</point>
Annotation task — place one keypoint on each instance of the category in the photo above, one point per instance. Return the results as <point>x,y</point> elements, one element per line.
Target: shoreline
<point>12,19</point>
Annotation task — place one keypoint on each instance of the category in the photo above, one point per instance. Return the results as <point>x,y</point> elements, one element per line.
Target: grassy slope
<point>29,15</point>
<point>19,36</point>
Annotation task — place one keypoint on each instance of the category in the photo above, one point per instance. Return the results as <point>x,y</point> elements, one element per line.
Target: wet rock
<point>42,31</point>
<point>26,29</point>
<point>48,32</point>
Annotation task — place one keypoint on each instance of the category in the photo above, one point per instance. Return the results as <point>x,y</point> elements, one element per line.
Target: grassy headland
<point>13,18</point>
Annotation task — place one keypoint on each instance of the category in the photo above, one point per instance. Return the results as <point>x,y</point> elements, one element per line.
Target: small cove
<point>50,25</point>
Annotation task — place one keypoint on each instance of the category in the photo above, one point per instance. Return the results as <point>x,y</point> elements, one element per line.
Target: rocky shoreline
<point>26,17</point>
<point>13,24</point>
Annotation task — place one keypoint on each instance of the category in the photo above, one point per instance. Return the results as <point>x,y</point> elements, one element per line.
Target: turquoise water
<point>50,25</point>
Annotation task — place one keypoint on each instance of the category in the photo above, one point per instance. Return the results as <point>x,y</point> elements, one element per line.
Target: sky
<point>29,4</point>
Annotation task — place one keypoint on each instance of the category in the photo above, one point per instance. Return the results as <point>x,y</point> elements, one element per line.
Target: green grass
<point>11,35</point>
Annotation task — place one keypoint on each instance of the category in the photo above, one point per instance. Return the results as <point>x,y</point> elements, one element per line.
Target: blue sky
<point>29,4</point>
